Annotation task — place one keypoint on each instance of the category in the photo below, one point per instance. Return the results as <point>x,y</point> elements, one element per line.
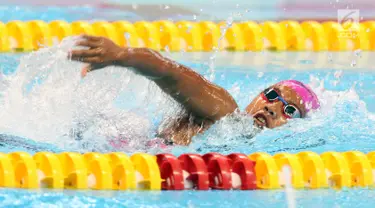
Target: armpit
<point>181,131</point>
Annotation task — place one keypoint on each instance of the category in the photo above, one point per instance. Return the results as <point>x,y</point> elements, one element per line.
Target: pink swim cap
<point>309,98</point>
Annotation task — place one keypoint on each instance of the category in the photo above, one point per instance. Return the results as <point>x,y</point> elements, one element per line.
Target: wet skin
<point>273,112</point>
<point>204,101</point>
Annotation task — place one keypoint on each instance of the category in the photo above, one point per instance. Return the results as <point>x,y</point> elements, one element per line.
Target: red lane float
<point>245,168</point>
<point>212,170</point>
<point>170,172</point>
<point>219,171</point>
<point>196,172</point>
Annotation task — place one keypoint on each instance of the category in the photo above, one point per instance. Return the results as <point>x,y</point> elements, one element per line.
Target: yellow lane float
<point>7,174</point>
<point>74,170</point>
<point>164,35</point>
<point>267,171</point>
<point>123,172</point>
<point>49,169</point>
<point>313,170</point>
<point>337,170</point>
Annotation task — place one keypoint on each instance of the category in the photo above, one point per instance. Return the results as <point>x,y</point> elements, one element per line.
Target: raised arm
<point>199,96</point>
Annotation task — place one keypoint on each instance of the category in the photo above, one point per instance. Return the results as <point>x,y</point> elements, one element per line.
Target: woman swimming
<point>204,101</point>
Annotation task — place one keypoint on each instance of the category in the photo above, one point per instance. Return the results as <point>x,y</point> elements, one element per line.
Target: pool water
<point>346,122</point>
<point>43,98</point>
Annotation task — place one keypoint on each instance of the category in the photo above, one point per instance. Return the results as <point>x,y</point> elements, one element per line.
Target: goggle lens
<point>289,110</point>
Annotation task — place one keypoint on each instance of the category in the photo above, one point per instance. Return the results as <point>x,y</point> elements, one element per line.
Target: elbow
<point>224,110</point>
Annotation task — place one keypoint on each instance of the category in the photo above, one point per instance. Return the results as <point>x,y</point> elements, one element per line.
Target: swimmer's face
<point>271,114</point>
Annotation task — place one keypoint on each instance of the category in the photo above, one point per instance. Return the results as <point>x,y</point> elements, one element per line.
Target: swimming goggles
<point>290,111</point>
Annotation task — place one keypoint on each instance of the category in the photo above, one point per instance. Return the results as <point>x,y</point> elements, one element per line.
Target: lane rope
<point>141,171</point>
<point>200,36</point>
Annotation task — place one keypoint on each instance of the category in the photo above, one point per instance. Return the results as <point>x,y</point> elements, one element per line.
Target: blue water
<point>347,125</point>
<point>346,122</point>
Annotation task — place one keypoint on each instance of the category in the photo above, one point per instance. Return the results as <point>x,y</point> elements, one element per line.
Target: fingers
<point>77,54</point>
<point>89,37</point>
<point>88,43</point>
<point>90,60</point>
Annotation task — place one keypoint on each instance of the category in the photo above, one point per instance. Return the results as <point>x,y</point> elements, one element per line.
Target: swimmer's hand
<point>101,52</point>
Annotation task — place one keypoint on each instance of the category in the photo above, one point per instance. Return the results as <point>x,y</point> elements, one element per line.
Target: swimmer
<point>204,101</point>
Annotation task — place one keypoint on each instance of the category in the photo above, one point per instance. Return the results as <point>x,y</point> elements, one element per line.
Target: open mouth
<point>260,120</point>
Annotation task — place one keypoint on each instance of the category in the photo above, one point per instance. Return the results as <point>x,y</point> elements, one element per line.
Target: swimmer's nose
<point>270,112</point>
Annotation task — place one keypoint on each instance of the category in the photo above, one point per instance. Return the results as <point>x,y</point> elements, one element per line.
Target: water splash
<point>342,123</point>
<point>289,191</point>
<point>47,101</point>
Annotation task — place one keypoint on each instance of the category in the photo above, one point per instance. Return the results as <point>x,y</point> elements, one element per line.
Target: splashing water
<point>47,101</point>
<point>289,191</point>
<point>342,123</point>
<point>211,71</point>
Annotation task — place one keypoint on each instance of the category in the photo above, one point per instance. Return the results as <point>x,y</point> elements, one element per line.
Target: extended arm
<point>199,96</point>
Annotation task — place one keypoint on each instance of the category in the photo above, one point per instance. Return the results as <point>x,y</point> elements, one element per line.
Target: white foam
<point>289,191</point>
<point>105,104</point>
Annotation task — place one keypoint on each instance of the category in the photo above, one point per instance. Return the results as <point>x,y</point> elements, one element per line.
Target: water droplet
<point>330,57</point>
<point>237,5</point>
<point>166,7</point>
<point>229,22</point>
<point>246,10</point>
<point>166,48</point>
<point>337,74</point>
<point>201,10</point>
<point>354,63</point>
<point>260,74</point>
<point>194,17</point>
<point>357,52</point>
<point>368,30</point>
<point>306,61</point>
